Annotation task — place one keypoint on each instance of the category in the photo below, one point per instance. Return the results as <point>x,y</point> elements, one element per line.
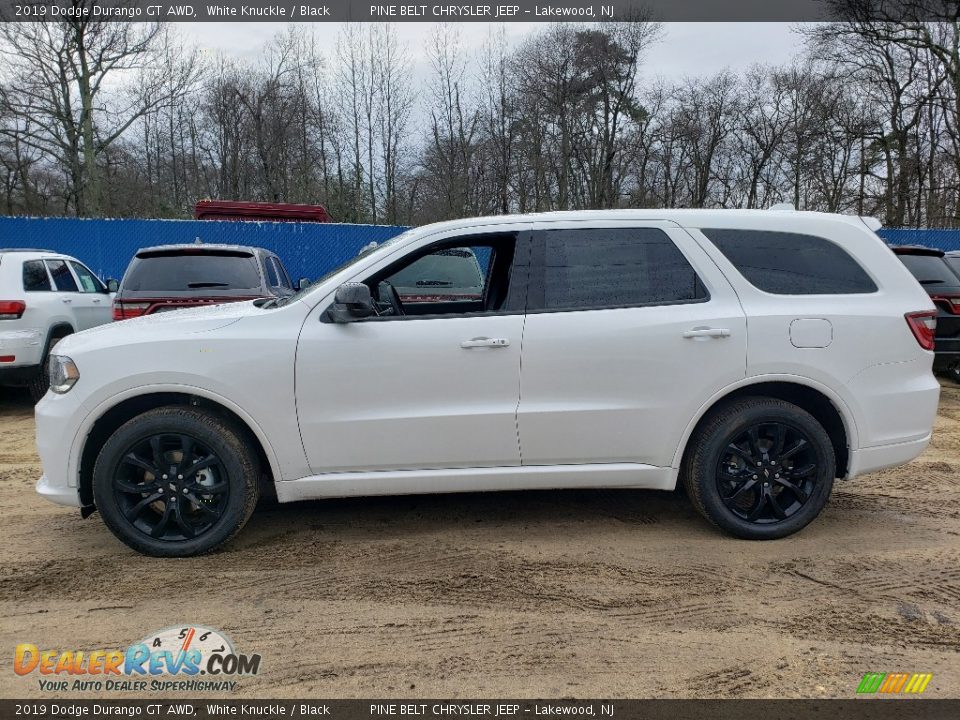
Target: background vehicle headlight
<point>63,373</point>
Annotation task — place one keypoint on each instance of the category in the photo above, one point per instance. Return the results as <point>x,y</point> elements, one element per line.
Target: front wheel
<point>759,468</point>
<point>176,481</point>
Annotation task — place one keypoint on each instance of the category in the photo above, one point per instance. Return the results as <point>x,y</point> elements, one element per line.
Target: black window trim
<point>515,302</point>
<point>535,281</point>
<point>876,285</point>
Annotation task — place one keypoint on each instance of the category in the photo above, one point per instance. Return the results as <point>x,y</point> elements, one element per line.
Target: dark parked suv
<point>939,273</point>
<point>173,277</point>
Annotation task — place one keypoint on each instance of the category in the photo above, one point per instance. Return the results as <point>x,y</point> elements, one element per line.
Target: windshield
<point>365,252</point>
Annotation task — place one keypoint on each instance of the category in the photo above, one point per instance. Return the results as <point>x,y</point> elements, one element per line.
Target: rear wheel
<point>176,481</point>
<point>759,468</point>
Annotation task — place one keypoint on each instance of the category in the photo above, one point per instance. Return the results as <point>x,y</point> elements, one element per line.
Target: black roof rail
<point>3,250</point>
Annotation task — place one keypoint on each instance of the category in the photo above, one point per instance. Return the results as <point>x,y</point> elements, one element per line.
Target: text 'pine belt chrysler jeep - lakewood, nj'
<point>753,356</point>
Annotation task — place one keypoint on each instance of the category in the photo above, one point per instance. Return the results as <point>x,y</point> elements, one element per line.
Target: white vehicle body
<point>605,397</point>
<point>80,301</point>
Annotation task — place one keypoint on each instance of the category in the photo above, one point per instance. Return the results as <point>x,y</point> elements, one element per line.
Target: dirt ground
<point>532,594</point>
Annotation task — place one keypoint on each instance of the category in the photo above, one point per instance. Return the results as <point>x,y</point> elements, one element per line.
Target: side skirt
<point>526,477</point>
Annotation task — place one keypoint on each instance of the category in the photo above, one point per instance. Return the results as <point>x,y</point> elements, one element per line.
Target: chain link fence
<point>307,249</point>
<point>106,246</point>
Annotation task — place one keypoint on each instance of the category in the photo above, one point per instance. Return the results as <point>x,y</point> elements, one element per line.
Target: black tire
<point>954,372</point>
<point>733,480</point>
<point>218,491</point>
<point>41,383</point>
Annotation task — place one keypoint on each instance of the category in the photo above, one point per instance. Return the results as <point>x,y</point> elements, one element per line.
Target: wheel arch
<point>828,408</point>
<point>109,419</point>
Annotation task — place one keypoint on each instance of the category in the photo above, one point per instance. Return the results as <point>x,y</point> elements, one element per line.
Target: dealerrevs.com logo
<point>894,683</point>
<point>180,658</point>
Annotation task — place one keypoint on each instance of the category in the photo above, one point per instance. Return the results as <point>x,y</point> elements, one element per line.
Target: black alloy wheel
<point>177,480</point>
<point>767,472</point>
<point>759,468</point>
<point>171,486</point>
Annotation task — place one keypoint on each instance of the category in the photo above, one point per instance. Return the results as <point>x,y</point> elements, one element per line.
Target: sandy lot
<point>534,594</point>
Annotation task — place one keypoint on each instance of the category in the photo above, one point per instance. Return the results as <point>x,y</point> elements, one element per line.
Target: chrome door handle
<point>707,333</point>
<point>485,342</point>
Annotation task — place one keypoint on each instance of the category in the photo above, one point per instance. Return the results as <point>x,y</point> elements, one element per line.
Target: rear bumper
<point>879,457</point>
<point>27,347</point>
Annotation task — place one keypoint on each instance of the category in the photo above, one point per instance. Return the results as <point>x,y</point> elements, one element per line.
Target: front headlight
<point>63,373</point>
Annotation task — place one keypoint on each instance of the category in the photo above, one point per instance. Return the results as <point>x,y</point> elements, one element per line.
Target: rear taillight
<point>12,309</point>
<point>924,327</point>
<point>950,303</point>
<point>126,310</point>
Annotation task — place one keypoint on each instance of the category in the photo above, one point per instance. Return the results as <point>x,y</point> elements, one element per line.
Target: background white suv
<point>753,356</point>
<point>44,296</point>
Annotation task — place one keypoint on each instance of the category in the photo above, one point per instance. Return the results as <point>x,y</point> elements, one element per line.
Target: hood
<point>175,323</point>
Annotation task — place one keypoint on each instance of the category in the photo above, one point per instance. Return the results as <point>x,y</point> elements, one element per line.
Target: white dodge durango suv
<point>44,296</point>
<point>753,356</point>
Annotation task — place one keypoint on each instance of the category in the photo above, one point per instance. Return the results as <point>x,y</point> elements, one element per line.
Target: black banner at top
<point>460,11</point>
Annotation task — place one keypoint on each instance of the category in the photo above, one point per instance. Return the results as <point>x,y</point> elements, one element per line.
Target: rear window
<point>178,271</point>
<point>954,263</point>
<point>930,270</point>
<point>791,263</point>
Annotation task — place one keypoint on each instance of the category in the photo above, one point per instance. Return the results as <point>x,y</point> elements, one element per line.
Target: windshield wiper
<point>207,284</point>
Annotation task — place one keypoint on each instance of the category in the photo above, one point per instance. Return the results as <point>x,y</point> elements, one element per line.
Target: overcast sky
<point>686,48</point>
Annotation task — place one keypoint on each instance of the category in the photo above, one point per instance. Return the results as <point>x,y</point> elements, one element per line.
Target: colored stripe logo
<point>894,683</point>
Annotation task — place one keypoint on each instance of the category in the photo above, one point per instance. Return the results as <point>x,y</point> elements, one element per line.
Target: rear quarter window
<point>784,263</point>
<point>35,278</point>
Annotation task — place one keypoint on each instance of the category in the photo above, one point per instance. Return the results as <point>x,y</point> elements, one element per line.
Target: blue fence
<point>942,239</point>
<point>106,246</point>
<point>307,249</point>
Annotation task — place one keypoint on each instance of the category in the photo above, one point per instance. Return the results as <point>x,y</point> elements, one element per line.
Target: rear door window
<point>610,268</point>
<point>785,263</point>
<point>178,271</point>
<point>62,277</point>
<point>35,278</point>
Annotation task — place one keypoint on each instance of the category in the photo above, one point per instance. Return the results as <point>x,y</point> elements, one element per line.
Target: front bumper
<point>58,418</point>
<point>59,494</point>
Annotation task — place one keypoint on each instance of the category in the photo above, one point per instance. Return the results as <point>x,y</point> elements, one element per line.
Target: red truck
<point>259,211</point>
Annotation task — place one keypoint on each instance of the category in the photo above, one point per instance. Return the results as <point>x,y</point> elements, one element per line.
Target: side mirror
<point>352,301</point>
<point>303,283</point>
<point>112,285</point>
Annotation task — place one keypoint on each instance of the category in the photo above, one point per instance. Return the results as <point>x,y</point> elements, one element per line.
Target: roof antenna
<point>198,241</point>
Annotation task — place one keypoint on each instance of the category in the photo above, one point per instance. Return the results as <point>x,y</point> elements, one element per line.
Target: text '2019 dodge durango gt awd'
<point>753,356</point>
